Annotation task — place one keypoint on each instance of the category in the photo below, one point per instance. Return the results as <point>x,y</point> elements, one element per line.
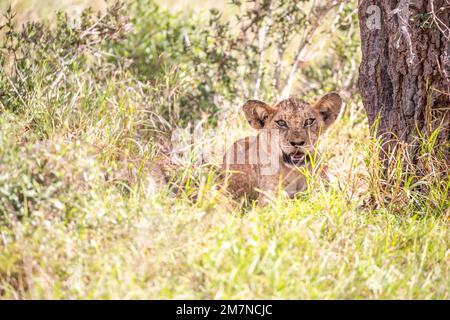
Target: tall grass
<point>83,213</point>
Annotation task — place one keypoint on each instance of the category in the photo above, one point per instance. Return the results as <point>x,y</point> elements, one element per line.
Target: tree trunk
<point>405,68</point>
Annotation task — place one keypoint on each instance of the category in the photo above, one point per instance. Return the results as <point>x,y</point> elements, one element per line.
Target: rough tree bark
<point>405,69</point>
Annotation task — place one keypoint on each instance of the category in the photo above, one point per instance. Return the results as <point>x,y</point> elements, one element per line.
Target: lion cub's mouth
<point>297,158</point>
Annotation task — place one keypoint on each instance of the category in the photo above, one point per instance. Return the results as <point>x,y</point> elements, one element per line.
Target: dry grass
<point>74,226</point>
<point>35,10</point>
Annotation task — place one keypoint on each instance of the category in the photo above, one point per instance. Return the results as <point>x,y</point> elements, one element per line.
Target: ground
<point>75,226</point>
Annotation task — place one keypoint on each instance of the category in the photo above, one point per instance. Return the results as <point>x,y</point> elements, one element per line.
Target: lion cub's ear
<point>329,107</point>
<point>257,112</point>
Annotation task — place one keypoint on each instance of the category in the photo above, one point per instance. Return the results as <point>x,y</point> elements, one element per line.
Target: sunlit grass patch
<point>92,208</point>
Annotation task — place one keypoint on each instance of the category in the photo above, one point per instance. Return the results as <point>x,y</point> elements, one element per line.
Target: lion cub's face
<point>297,122</point>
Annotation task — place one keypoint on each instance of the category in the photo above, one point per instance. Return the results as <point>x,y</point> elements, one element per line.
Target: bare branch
<point>307,35</point>
<point>402,12</point>
<point>439,23</point>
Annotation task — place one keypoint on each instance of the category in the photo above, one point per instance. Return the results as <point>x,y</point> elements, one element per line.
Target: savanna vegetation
<point>90,100</point>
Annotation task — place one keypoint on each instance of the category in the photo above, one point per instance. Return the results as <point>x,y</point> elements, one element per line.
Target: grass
<point>148,245</point>
<point>80,217</point>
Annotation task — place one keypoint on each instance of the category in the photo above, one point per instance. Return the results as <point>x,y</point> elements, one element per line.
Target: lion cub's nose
<point>297,144</point>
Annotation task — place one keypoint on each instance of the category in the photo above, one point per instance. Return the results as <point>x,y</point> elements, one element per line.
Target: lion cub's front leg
<point>288,183</point>
<point>268,189</point>
<point>242,182</point>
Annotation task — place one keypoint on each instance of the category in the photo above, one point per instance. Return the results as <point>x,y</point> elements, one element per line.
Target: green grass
<point>156,250</point>
<point>81,218</point>
<point>84,238</point>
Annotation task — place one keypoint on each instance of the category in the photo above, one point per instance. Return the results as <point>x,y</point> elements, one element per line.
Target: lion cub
<point>258,166</point>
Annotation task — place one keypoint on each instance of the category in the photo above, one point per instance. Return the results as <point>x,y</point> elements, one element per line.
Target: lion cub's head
<point>298,123</point>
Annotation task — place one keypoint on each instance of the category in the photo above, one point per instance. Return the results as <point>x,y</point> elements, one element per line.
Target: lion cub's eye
<point>309,122</point>
<point>281,123</point>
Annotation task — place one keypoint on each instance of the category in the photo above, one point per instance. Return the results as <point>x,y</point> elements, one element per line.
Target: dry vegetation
<point>83,113</point>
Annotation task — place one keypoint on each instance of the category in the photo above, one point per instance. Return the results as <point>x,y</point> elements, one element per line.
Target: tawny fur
<point>264,167</point>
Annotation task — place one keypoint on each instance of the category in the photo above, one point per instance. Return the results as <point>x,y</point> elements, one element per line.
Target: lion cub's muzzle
<point>296,158</point>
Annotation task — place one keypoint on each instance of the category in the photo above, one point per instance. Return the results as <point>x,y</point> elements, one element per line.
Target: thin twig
<point>439,22</point>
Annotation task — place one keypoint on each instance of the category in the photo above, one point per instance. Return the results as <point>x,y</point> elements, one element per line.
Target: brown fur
<point>273,158</point>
